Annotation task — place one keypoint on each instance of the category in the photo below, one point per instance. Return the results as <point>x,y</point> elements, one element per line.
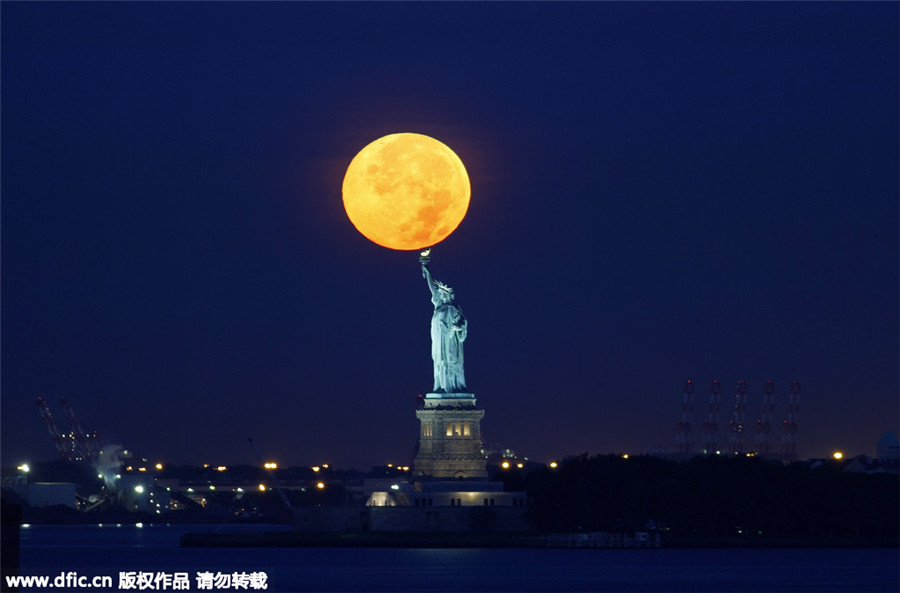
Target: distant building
<point>44,494</point>
<point>888,448</point>
<point>447,494</point>
<point>863,464</point>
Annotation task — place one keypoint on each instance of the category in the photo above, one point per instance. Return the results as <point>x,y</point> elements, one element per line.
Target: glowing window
<point>449,429</point>
<point>458,430</point>
<point>426,429</point>
<point>467,430</point>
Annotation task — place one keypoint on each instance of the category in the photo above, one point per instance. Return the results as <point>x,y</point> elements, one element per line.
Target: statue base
<point>450,438</point>
<point>459,400</point>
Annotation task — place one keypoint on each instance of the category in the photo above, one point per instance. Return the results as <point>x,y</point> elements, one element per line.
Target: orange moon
<point>406,191</point>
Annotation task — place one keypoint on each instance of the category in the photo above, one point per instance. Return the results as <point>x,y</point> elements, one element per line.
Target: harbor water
<point>109,550</point>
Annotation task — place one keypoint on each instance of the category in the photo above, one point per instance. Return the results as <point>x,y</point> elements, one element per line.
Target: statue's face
<point>445,296</point>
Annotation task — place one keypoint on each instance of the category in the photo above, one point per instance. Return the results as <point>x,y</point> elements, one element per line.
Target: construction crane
<point>58,440</point>
<point>272,475</point>
<point>83,444</point>
<point>75,445</point>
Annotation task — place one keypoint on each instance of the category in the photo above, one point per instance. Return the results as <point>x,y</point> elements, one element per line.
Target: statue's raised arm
<point>426,273</point>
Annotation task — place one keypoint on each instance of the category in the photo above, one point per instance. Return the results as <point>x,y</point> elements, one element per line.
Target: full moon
<point>406,191</point>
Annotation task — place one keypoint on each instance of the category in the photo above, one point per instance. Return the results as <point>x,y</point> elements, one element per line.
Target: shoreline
<point>286,539</point>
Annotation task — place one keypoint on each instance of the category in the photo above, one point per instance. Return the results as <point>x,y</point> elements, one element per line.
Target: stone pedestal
<point>450,438</point>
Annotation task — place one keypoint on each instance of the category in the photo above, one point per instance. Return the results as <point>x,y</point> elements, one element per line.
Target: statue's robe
<point>448,332</point>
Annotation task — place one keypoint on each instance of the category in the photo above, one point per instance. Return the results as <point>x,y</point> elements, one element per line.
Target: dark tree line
<point>713,496</point>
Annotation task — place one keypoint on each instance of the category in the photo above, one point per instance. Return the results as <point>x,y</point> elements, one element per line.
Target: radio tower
<point>737,420</point>
<point>710,428</point>
<point>789,428</point>
<point>683,428</point>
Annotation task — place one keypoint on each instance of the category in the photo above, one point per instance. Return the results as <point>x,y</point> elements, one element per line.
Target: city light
<point>159,466</point>
<point>838,455</point>
<point>320,485</point>
<point>624,455</point>
<point>505,465</point>
<point>520,465</point>
<point>24,468</point>
<point>221,468</point>
<point>139,489</point>
<point>270,465</point>
<point>553,465</point>
<point>316,468</point>
<point>262,487</point>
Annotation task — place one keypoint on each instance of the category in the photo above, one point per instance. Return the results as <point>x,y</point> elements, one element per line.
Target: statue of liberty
<point>448,332</point>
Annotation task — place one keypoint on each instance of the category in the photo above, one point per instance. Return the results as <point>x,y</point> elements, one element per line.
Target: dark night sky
<point>661,191</point>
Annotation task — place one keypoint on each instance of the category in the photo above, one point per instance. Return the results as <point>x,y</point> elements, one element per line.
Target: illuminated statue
<point>448,332</point>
